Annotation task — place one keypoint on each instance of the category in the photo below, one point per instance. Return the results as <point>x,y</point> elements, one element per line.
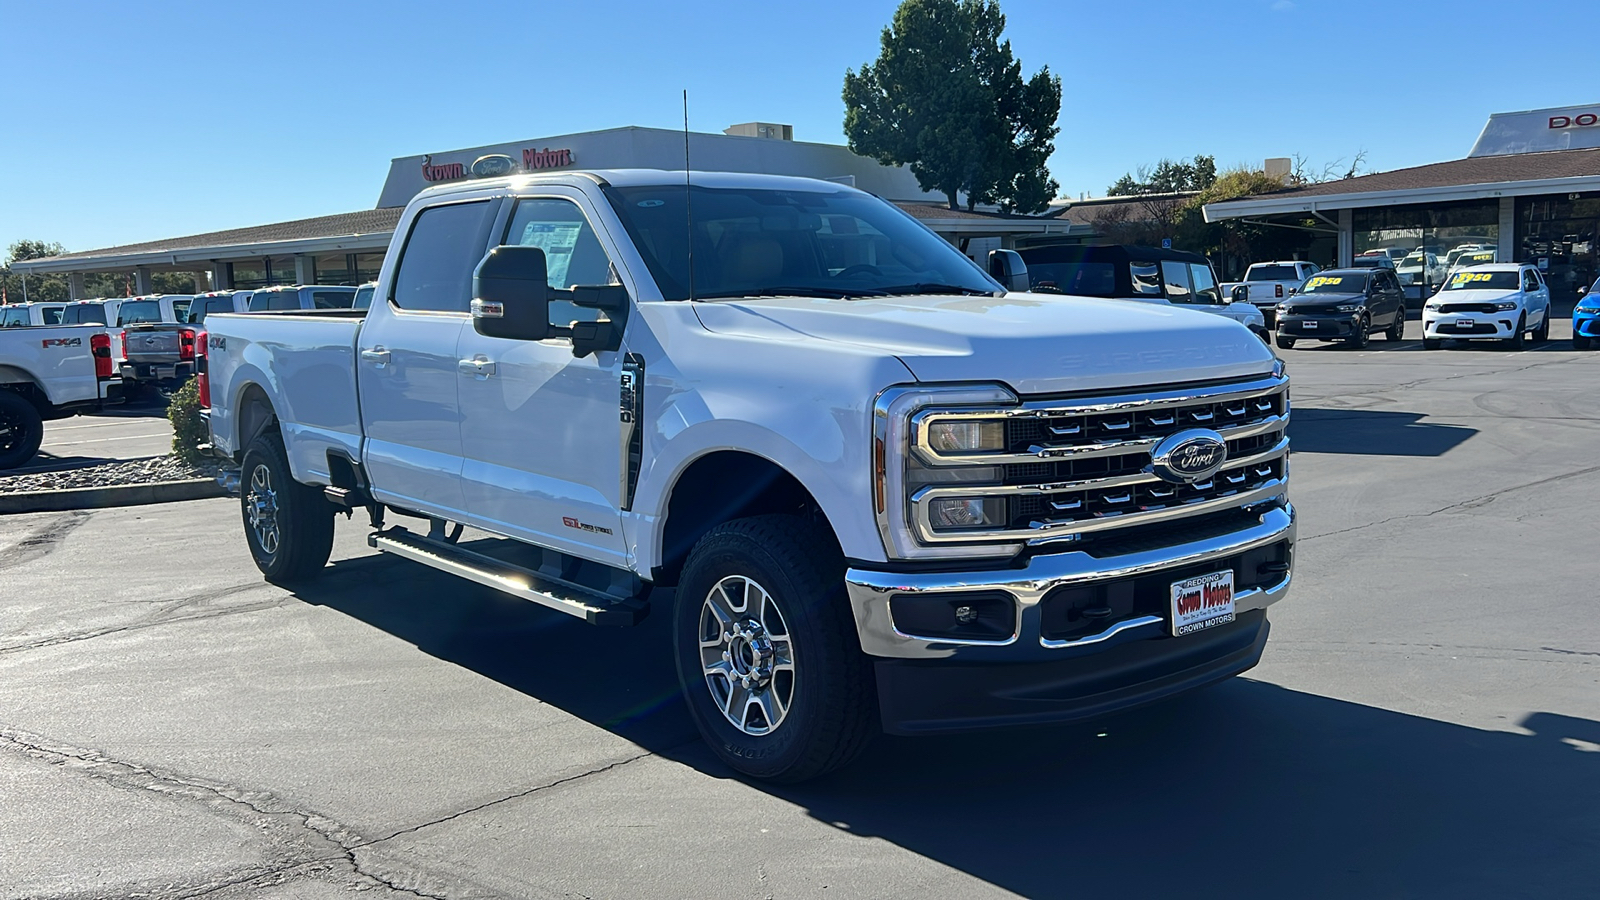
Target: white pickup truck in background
<point>870,486</point>
<point>1266,284</point>
<point>50,372</point>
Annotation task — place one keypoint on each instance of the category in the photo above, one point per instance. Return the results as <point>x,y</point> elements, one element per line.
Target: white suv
<point>1503,301</point>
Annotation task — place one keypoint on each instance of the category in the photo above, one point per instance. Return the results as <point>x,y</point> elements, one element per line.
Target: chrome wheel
<point>746,655</point>
<point>261,510</point>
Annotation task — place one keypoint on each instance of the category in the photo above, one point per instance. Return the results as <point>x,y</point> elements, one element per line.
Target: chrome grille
<point>1072,467</point>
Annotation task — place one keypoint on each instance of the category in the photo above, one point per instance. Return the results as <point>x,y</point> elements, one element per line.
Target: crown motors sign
<point>1581,120</point>
<point>532,160</point>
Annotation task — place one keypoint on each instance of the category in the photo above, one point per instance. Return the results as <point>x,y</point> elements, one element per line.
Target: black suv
<point>1344,305</point>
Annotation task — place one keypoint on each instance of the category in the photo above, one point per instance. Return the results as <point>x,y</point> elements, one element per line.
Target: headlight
<point>1283,307</point>
<point>1433,307</point>
<point>1347,308</point>
<point>1587,309</point>
<point>967,437</point>
<point>1504,306</point>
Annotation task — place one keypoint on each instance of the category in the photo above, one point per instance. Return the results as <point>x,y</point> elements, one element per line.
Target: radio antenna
<point>688,193</point>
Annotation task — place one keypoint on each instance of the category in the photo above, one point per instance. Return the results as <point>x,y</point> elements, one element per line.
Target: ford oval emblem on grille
<point>1188,456</point>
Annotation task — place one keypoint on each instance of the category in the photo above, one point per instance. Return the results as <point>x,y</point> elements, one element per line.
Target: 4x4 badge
<point>1188,456</point>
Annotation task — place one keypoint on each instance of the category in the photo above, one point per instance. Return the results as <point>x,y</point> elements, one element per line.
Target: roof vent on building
<point>1277,167</point>
<point>761,130</point>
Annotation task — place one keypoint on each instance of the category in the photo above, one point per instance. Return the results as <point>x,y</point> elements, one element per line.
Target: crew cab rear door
<point>540,430</point>
<point>406,359</point>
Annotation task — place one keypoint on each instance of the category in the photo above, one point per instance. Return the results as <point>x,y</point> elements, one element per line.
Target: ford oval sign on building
<point>493,166</point>
<point>1189,456</point>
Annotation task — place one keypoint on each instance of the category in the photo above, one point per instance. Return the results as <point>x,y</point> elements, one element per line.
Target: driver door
<point>542,454</point>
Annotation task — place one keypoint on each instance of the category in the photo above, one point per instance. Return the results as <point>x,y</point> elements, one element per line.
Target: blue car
<point>1586,319</point>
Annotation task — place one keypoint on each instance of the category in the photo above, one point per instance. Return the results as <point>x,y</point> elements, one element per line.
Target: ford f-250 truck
<point>887,492</point>
<point>50,372</point>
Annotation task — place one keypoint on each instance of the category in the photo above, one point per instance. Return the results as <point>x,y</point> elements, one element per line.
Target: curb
<point>116,495</point>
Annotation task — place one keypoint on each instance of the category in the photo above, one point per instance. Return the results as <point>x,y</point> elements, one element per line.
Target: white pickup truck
<point>887,492</point>
<point>50,372</point>
<point>1266,284</point>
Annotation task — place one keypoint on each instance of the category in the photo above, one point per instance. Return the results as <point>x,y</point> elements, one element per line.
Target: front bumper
<point>1325,328</point>
<point>1586,325</point>
<point>1445,326</point>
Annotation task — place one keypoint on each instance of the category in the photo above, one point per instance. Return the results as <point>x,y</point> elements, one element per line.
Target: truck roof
<point>643,178</point>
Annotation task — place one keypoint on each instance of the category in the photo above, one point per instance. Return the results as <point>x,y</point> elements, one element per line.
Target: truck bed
<point>305,360</point>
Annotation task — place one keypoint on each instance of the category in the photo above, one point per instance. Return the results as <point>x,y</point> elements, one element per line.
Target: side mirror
<point>511,294</point>
<point>1582,289</point>
<point>1008,268</point>
<point>1240,294</point>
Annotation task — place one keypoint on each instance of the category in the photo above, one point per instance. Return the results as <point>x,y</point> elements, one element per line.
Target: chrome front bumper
<point>870,593</point>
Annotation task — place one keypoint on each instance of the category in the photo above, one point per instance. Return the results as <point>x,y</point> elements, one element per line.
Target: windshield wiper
<point>933,287</point>
<point>822,292</point>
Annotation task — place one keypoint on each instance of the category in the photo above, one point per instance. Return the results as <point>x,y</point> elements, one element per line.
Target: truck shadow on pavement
<point>1372,433</point>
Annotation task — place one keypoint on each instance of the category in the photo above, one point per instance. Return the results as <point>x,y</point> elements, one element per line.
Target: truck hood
<point>1036,344</point>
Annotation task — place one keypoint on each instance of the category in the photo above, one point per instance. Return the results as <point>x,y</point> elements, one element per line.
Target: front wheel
<point>767,654</point>
<point>1519,339</point>
<point>21,429</point>
<point>1360,333</point>
<point>288,525</point>
<point>1542,333</point>
<point>1285,343</point>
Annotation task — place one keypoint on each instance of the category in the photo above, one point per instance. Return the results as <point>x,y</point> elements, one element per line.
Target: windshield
<point>1271,273</point>
<point>364,297</point>
<point>1484,281</point>
<point>139,312</point>
<point>754,242</point>
<point>1411,262</point>
<point>1335,284</point>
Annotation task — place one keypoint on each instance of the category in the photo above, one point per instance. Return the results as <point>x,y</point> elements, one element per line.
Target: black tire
<point>1580,342</point>
<point>21,429</point>
<point>1432,343</point>
<point>1285,343</point>
<point>1397,328</point>
<point>1361,333</point>
<point>831,709</point>
<point>1520,339</point>
<point>1542,333</point>
<point>296,520</point>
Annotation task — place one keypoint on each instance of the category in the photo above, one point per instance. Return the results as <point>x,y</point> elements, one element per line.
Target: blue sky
<point>125,122</point>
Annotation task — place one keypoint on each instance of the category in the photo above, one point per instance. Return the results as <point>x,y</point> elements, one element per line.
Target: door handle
<point>478,367</point>
<point>376,355</point>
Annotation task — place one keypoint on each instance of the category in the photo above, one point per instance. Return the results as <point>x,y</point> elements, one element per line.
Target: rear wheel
<point>1520,339</point>
<point>767,653</point>
<point>21,429</point>
<point>1397,329</point>
<point>1285,343</point>
<point>288,525</point>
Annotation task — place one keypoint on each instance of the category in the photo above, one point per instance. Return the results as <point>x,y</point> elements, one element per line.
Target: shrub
<point>189,431</point>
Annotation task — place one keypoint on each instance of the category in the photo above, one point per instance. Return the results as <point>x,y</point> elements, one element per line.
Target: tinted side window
<point>52,316</point>
<point>283,300</point>
<point>258,301</point>
<point>331,299</point>
<point>443,248</point>
<point>1176,275</point>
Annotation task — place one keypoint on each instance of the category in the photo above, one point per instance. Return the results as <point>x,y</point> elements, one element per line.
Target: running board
<point>593,606</point>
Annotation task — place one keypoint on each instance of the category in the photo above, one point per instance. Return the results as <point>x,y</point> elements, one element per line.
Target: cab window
<point>52,315</point>
<point>572,251</point>
<point>445,245</point>
<point>1205,284</point>
<point>14,318</point>
<point>1176,275</point>
<point>139,312</point>
<point>1146,278</point>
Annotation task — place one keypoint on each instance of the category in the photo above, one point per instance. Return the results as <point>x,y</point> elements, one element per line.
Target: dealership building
<point>348,248</point>
<point>1529,189</point>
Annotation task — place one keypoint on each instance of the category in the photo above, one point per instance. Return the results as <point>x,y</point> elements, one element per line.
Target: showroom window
<point>1424,242</point>
<point>1557,234</point>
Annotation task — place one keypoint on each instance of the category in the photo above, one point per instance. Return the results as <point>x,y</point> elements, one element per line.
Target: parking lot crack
<point>165,615</point>
<point>1471,503</point>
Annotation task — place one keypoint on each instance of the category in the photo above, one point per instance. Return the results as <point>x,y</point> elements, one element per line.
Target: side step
<point>593,606</point>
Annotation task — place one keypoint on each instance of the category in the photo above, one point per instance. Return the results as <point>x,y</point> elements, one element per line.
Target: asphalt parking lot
<point>1426,721</point>
<point>133,431</point>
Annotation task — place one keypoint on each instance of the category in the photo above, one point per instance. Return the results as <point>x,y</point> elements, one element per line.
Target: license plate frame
<point>1202,602</point>
<point>1309,325</point>
<point>1466,323</point>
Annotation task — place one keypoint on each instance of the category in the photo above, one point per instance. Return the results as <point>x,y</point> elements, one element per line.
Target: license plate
<point>1309,326</point>
<point>1202,602</point>
<point>1464,323</point>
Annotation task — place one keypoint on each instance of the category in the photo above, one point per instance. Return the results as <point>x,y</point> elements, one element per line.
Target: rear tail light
<point>1278,289</point>
<point>124,346</point>
<point>100,346</point>
<point>201,364</point>
<point>186,344</point>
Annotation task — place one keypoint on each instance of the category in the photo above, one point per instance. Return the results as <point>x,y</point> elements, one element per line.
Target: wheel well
<point>720,487</point>
<point>255,414</point>
<point>14,379</point>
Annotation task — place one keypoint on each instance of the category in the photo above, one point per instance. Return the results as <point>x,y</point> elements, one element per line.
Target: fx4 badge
<point>62,342</point>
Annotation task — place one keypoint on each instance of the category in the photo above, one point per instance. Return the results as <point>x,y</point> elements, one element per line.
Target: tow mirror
<point>511,294</point>
<point>1007,267</point>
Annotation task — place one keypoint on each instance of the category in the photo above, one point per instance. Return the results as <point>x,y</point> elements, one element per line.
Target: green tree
<point>38,287</point>
<point>947,97</point>
<point>1168,177</point>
